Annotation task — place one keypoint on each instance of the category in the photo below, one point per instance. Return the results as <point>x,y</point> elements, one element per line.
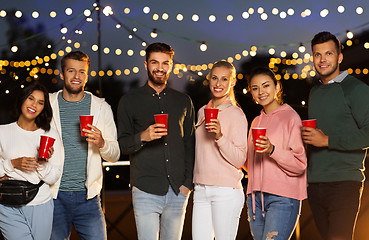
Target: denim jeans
<point>335,206</point>
<point>281,215</point>
<point>159,215</point>
<point>27,222</point>
<point>72,207</point>
<point>216,212</point>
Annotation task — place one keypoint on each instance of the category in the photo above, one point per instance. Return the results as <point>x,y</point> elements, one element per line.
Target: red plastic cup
<point>309,123</point>
<point>256,133</point>
<point>46,143</point>
<point>84,120</point>
<point>162,119</point>
<point>210,113</point>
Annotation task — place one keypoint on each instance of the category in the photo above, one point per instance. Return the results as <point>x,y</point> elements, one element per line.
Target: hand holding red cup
<point>84,120</point>
<point>210,113</point>
<point>256,133</point>
<point>162,119</point>
<point>46,143</point>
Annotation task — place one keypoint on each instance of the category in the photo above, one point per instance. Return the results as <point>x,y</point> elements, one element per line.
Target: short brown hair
<point>159,47</point>
<point>75,55</point>
<point>323,37</point>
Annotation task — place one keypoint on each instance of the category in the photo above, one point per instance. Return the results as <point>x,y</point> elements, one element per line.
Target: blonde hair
<point>229,66</point>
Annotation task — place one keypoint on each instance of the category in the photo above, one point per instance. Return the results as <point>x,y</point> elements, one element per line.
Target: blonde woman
<point>219,156</point>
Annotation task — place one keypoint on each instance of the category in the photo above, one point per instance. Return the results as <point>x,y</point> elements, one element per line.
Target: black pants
<point>335,207</point>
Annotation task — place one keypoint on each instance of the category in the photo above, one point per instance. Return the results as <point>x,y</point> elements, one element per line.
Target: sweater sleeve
<point>357,98</point>
<point>292,160</point>
<point>233,145</point>
<point>110,151</point>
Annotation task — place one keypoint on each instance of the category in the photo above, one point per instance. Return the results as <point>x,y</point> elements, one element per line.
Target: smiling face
<point>158,66</point>
<point>326,60</point>
<point>74,75</point>
<point>221,83</point>
<point>264,91</point>
<point>33,105</point>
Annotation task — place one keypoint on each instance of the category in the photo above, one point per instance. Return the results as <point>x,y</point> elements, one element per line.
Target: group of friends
<point>324,164</point>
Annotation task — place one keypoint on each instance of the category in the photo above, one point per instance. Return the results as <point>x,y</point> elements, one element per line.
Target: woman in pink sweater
<point>276,174</point>
<point>220,154</point>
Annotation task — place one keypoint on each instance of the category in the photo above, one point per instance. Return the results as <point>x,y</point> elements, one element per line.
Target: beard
<point>70,90</point>
<point>158,81</point>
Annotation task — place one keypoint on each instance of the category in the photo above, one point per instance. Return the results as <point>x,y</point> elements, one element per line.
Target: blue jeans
<point>72,207</point>
<point>159,215</point>
<point>27,222</point>
<point>281,215</point>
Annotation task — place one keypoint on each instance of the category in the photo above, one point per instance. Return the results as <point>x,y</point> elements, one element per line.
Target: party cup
<point>162,119</point>
<point>309,123</point>
<point>46,143</point>
<point>210,113</point>
<point>84,120</point>
<point>256,133</point>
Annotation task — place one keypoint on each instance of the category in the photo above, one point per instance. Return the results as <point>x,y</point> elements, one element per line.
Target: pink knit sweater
<point>282,173</point>
<point>219,163</point>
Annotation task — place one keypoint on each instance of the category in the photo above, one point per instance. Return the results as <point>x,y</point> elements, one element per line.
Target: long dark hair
<point>44,118</point>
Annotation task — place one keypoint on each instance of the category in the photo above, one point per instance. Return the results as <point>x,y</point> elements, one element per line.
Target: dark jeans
<point>335,206</point>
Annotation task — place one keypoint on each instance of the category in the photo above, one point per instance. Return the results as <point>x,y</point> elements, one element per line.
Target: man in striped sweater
<point>76,193</point>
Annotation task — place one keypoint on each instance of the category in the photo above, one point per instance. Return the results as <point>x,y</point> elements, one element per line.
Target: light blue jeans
<point>72,207</point>
<point>159,215</point>
<point>27,222</point>
<point>281,215</point>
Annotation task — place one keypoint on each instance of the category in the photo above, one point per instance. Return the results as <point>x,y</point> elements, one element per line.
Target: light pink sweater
<point>219,162</point>
<point>282,173</point>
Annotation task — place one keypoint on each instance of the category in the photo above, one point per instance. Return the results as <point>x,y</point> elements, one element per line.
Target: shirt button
<point>162,112</point>
<point>165,144</point>
<point>167,160</point>
<point>159,97</point>
<point>168,176</point>
<point>153,95</point>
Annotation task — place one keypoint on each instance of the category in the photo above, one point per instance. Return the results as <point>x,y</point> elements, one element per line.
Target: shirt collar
<point>339,78</point>
<point>152,91</point>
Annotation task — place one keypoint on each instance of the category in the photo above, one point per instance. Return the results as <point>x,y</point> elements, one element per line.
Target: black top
<point>168,160</point>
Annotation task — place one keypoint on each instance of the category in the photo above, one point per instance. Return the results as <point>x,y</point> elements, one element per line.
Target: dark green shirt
<point>169,160</point>
<point>342,113</point>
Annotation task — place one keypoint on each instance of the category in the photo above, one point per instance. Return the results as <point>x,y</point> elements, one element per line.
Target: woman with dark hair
<point>19,142</point>
<point>220,153</point>
<point>277,173</point>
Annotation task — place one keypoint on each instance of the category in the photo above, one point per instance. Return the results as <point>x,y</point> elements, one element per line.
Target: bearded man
<point>161,159</point>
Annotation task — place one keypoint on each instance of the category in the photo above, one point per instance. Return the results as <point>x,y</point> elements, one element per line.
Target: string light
<point>63,29</point>
<point>341,9</point>
<point>87,12</point>
<point>146,10</point>
<point>359,10</point>
<point>18,14</point>
<point>302,48</point>
<point>349,34</point>
<point>324,13</point>
<point>179,17</point>
<point>35,14</point>
<point>154,34</point>
<point>203,47</point>
<point>108,11</point>
<point>68,11</point>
